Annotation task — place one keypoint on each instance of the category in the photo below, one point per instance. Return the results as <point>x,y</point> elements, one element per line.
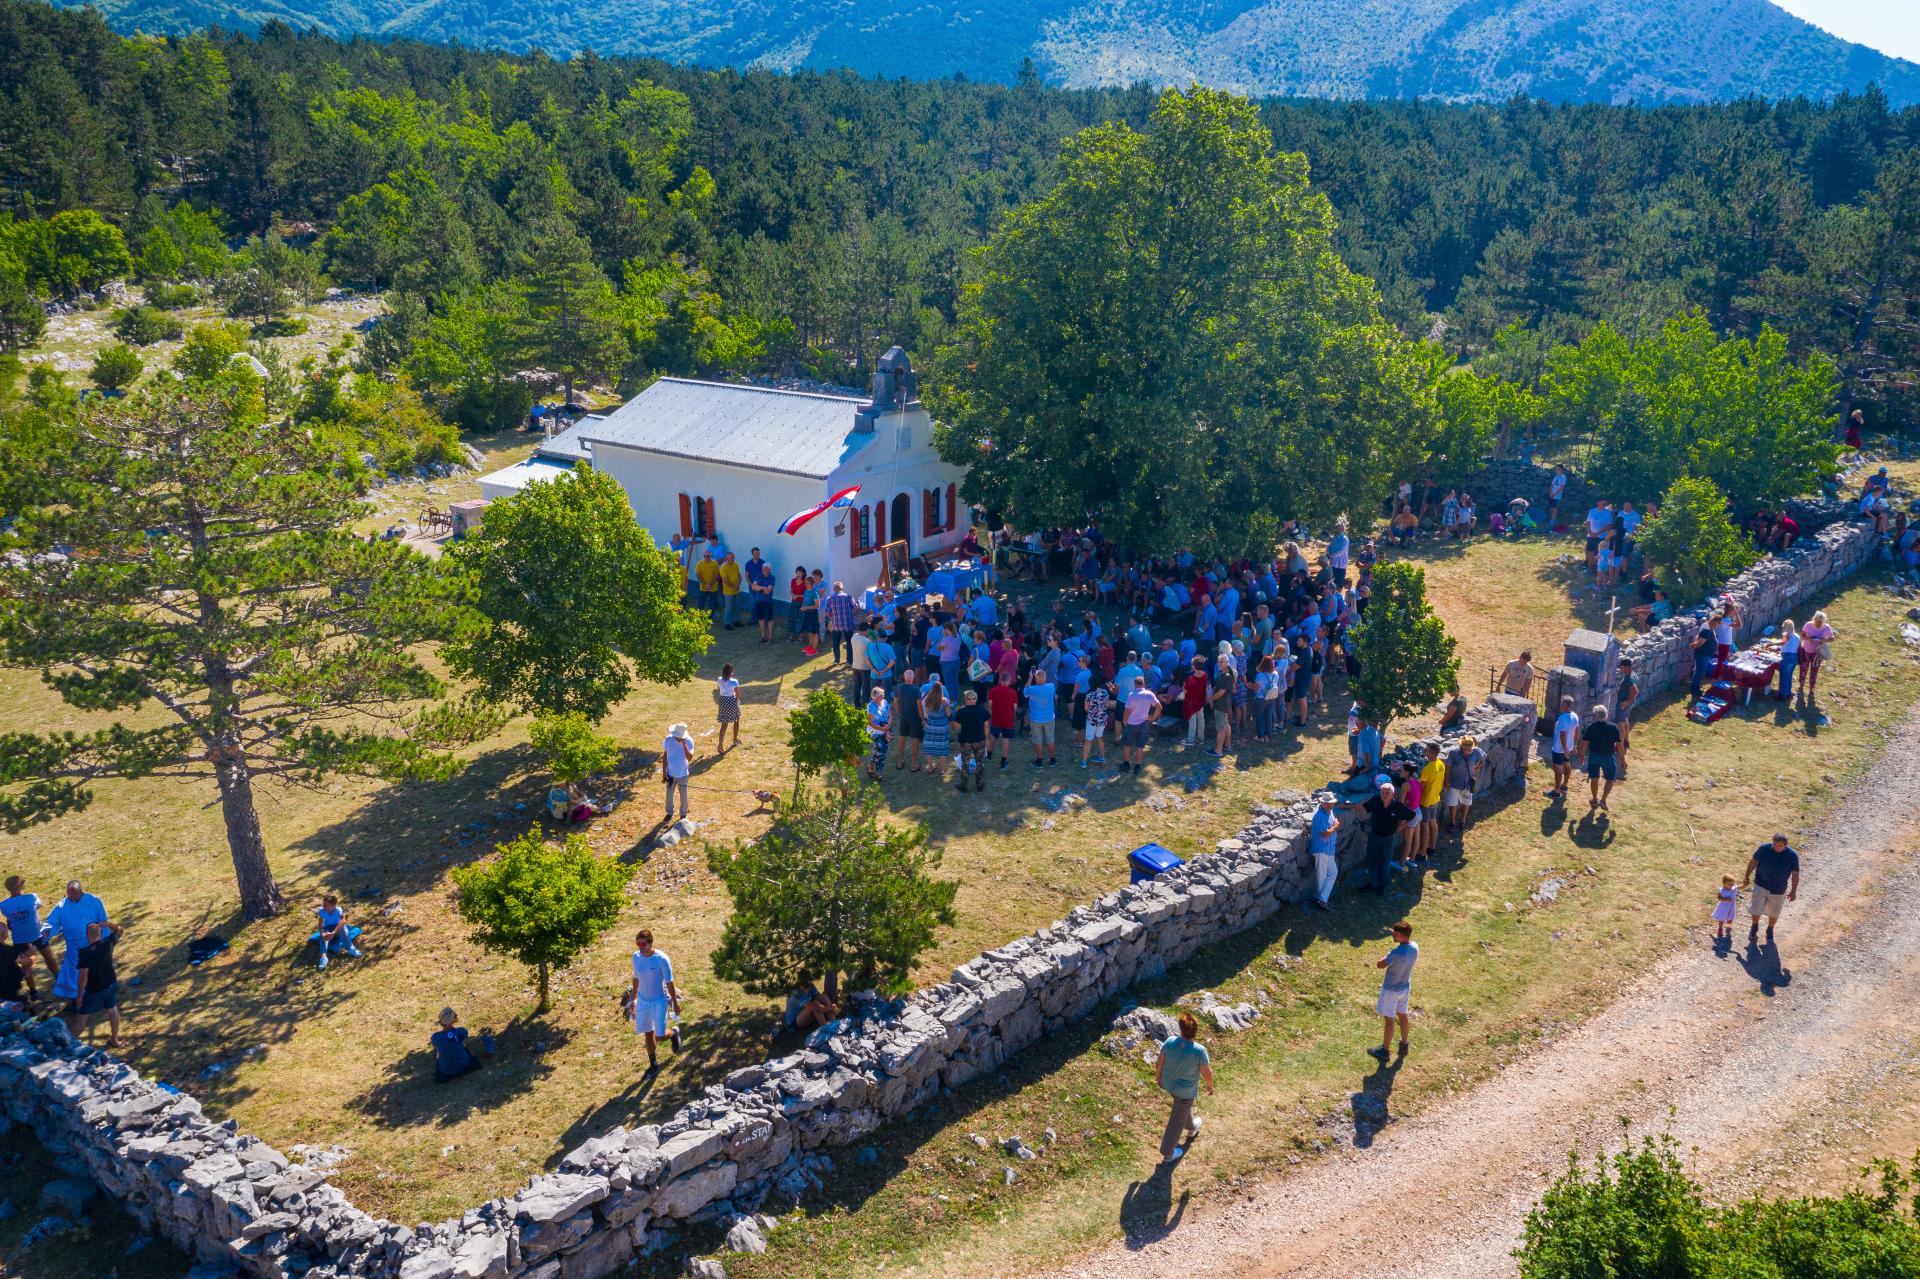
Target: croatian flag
<point>798,520</point>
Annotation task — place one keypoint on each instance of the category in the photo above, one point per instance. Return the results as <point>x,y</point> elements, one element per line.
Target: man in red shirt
<point>1193,702</point>
<point>1003,708</point>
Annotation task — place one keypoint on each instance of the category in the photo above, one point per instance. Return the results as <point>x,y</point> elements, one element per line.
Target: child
<point>1723,910</point>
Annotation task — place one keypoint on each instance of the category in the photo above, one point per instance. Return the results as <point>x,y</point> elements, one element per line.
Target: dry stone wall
<point>1778,586</point>
<point>244,1207</point>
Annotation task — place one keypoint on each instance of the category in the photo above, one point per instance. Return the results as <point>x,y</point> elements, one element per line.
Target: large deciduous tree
<point>1683,401</point>
<point>182,561</point>
<point>1168,338</point>
<point>576,598</point>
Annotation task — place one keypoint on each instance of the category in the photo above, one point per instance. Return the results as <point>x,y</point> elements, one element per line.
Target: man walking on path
<point>1598,742</point>
<point>1323,841</point>
<point>1774,873</point>
<point>1183,1067</point>
<point>651,994</point>
<point>676,765</point>
<point>1396,990</point>
<point>1566,738</point>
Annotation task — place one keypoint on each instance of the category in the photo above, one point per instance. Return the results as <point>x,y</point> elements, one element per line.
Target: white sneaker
<point>323,959</point>
<point>353,952</point>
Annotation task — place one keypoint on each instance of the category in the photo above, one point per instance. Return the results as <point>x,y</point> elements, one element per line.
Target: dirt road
<point>1752,1054</point>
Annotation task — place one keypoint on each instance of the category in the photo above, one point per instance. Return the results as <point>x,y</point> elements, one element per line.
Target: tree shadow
<point>401,838</point>
<point>406,1093</point>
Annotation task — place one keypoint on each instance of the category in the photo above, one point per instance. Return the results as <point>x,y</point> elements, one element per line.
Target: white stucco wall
<point>748,505</point>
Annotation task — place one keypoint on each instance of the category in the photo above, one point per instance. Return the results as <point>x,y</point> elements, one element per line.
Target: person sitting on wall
<point>808,1009</point>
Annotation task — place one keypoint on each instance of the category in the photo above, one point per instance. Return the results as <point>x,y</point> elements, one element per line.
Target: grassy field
<point>298,1056</point>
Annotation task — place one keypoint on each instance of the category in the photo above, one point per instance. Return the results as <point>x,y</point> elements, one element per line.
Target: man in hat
<point>1323,841</point>
<point>677,765</point>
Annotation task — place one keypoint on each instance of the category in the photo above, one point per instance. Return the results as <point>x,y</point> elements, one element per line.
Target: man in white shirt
<point>676,765</point>
<point>1566,740</point>
<point>651,994</point>
<point>1599,520</point>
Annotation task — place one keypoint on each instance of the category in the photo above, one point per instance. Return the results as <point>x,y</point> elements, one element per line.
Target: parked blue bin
<point>1149,861</point>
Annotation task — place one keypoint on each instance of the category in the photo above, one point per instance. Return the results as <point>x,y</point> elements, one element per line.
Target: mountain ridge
<point>1646,51</point>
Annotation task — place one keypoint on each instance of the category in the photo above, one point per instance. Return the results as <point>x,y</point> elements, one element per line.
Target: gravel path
<point>1706,1038</point>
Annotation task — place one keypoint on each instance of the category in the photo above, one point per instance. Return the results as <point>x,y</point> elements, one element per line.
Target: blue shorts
<point>99,1001</point>
<point>762,609</point>
<point>1000,732</point>
<point>1601,766</point>
<point>1559,758</point>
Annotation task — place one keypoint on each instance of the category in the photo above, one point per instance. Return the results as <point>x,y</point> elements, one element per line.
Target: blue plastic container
<point>1149,861</point>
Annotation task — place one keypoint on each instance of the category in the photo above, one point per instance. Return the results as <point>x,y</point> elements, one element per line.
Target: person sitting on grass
<point>451,1056</point>
<point>334,932</point>
<point>1404,526</point>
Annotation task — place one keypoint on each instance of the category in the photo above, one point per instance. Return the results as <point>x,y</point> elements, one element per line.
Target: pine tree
<point>573,319</point>
<point>1407,661</point>
<point>180,552</point>
<point>830,891</point>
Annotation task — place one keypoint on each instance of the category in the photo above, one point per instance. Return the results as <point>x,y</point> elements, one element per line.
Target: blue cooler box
<point>1149,861</point>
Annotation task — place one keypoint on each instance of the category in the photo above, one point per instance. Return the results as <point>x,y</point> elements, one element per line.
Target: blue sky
<point>1891,26</point>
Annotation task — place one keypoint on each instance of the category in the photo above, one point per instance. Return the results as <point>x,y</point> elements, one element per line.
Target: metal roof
<point>800,433</point>
<point>565,443</point>
<point>523,473</point>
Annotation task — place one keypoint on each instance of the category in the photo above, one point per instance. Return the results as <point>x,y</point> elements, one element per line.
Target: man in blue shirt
<point>1323,842</point>
<point>1129,672</point>
<point>1139,638</point>
<point>1040,698</point>
<point>882,660</point>
<point>760,585</point>
<point>1396,989</point>
<point>1774,873</point>
<point>451,1056</point>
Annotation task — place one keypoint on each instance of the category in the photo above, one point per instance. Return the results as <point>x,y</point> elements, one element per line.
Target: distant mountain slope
<point>1564,50</point>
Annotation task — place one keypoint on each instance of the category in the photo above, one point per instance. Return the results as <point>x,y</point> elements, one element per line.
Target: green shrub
<point>115,368</point>
<point>171,297</point>
<point>285,326</point>
<point>144,325</point>
<point>1640,1214</point>
<point>1693,537</point>
<point>540,904</point>
<point>570,748</point>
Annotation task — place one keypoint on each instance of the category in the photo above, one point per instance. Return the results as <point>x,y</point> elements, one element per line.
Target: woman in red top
<point>1193,702</point>
<point>797,588</point>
